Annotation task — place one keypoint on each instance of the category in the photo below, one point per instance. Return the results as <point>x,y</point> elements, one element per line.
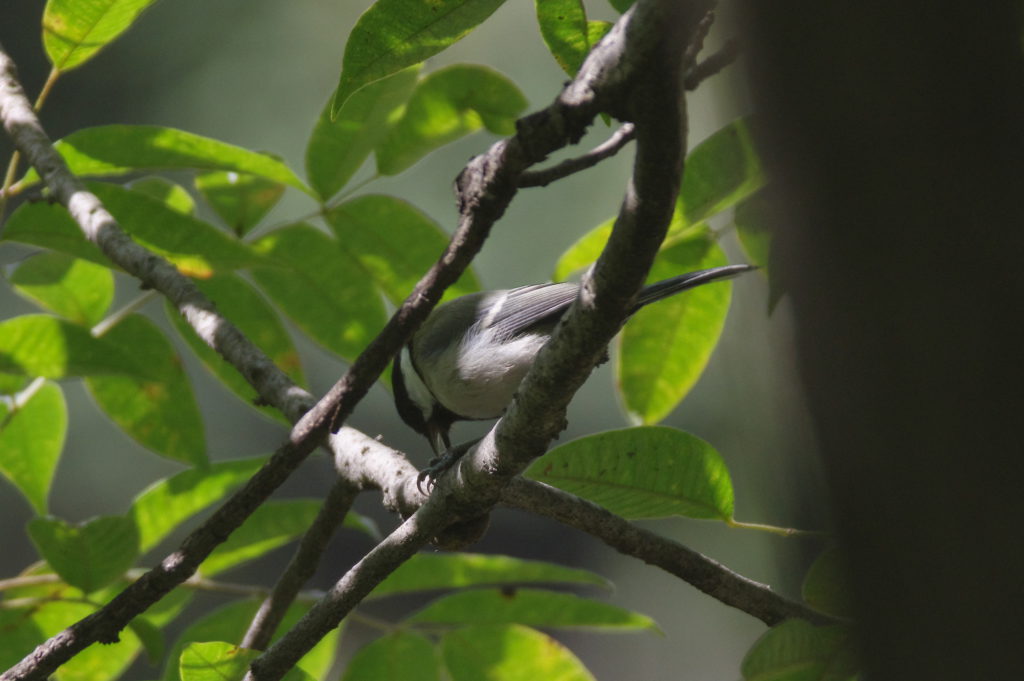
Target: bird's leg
<point>439,465</point>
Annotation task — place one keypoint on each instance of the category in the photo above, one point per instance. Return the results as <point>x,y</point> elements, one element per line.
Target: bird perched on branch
<point>466,361</point>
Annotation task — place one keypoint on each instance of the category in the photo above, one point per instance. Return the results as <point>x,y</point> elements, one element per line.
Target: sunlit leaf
<point>394,34</point>
<point>171,194</point>
<point>431,571</point>
<point>197,248</point>
<point>40,345</point>
<point>160,412</point>
<point>229,623</point>
<point>665,346</point>
<point>394,242</point>
<point>74,31</point>
<point>89,555</point>
<point>445,106</point>
<point>645,472</point>
<point>110,150</point>
<point>241,200</point>
<point>273,524</point>
<point>320,288</point>
<point>99,661</point>
<point>167,503</point>
<point>720,172</point>
<point>31,440</point>
<point>509,653</point>
<point>567,33</point>
<point>531,607</point>
<point>337,149</point>
<point>247,309</point>
<point>77,290</point>
<point>402,655</point>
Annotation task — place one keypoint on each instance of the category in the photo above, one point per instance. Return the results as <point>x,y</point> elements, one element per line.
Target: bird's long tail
<point>670,287</point>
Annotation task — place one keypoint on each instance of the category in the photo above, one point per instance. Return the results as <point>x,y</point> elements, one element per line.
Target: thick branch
<point>100,227</point>
<point>638,62</point>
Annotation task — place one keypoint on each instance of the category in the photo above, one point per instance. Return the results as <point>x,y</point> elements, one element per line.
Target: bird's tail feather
<point>670,287</point>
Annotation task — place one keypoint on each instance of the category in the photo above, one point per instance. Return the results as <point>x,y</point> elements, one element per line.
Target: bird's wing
<point>520,308</point>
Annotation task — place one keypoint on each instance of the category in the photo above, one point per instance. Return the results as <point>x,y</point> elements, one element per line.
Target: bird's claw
<point>437,467</point>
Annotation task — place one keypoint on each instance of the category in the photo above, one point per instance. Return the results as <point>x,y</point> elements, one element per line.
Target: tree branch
<point>698,570</point>
<point>302,565</point>
<point>715,63</point>
<point>638,62</point>
<point>273,386</point>
<point>542,178</point>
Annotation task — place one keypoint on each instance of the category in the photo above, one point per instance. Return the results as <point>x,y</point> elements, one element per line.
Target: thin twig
<point>542,178</point>
<point>713,64</point>
<point>302,565</point>
<point>705,574</point>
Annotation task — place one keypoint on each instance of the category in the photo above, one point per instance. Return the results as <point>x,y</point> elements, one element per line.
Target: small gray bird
<point>466,362</point>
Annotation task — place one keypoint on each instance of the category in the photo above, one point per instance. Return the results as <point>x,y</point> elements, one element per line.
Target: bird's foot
<point>440,465</point>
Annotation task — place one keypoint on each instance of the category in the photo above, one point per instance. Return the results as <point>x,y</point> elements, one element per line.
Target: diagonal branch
<point>611,146</point>
<point>274,387</point>
<point>639,62</point>
<point>705,574</point>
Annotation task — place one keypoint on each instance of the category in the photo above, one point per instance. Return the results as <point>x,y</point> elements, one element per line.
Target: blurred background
<point>257,73</point>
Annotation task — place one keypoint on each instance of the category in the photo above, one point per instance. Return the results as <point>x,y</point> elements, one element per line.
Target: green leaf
<point>445,106</point>
<point>827,585</point>
<point>74,31</point>
<point>273,524</point>
<point>621,5</point>
<point>240,302</point>
<point>587,248</point>
<point>431,571</point>
<point>219,661</point>
<point>665,346</point>
<point>21,635</point>
<point>320,288</point>
<point>110,150</point>
<point>78,290</point>
<point>563,25</point>
<point>165,504</point>
<point>171,194</point>
<point>394,34</point>
<point>215,661</point>
<point>161,412</point>
<point>40,345</point>
<point>645,472</point>
<point>197,248</point>
<point>757,219</point>
<point>230,622</point>
<point>531,607</point>
<point>799,651</point>
<point>361,523</point>
<point>401,655</point>
<point>720,172</point>
<point>509,653</point>
<point>31,440</point>
<point>394,242</point>
<point>98,662</point>
<point>50,226</point>
<point>241,200</point>
<point>151,637</point>
<point>89,555</point>
<point>337,149</point>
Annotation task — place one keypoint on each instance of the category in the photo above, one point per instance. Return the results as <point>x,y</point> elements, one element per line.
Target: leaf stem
<point>774,529</point>
<point>112,320</point>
